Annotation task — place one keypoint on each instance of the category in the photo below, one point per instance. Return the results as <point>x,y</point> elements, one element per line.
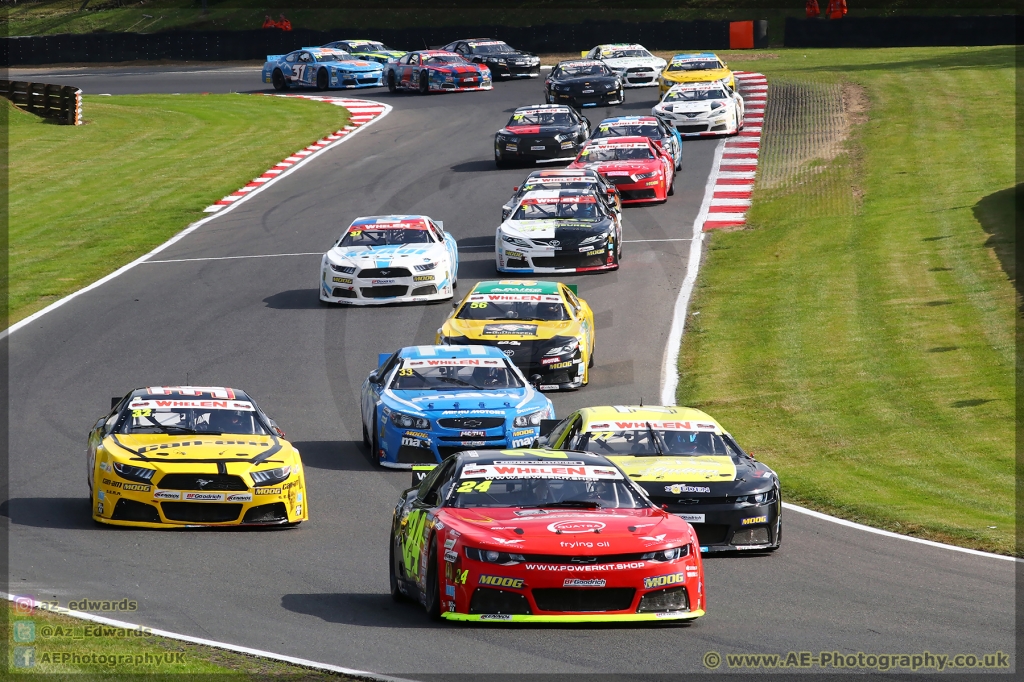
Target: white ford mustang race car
<point>701,109</point>
<point>637,67</point>
<point>387,259</point>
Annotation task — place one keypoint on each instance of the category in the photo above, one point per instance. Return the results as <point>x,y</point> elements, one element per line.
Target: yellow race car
<point>173,456</point>
<point>698,66</point>
<point>543,327</point>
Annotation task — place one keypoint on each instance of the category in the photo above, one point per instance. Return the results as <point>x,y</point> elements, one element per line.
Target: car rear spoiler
<point>419,472</point>
<point>584,53</point>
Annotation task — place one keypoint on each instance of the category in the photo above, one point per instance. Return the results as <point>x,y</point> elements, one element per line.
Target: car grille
<point>486,600</point>
<point>392,291</point>
<point>499,441</point>
<point>516,263</point>
<point>427,290</point>
<point>201,512</point>
<point>573,261</point>
<point>383,273</point>
<point>130,510</point>
<point>344,293</point>
<point>587,560</point>
<point>641,69</point>
<point>192,482</point>
<point>671,599</point>
<point>692,127</point>
<point>275,512</point>
<point>751,536</point>
<point>621,180</point>
<point>583,599</point>
<point>711,533</point>
<point>634,194</point>
<point>475,423</point>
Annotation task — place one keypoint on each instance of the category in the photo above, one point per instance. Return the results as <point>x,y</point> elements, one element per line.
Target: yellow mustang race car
<point>173,456</point>
<point>543,327</point>
<point>688,464</point>
<point>700,66</point>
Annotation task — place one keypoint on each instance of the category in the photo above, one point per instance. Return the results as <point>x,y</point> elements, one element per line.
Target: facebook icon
<point>24,656</point>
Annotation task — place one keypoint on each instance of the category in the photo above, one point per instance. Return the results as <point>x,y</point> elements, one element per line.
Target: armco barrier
<point>60,102</point>
<point>902,31</point>
<point>257,44</point>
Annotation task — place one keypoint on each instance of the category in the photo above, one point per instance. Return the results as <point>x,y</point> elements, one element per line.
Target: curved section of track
<point>320,591</point>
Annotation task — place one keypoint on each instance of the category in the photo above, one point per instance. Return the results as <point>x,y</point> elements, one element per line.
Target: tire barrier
<point>59,102</point>
<point>902,31</point>
<point>257,44</point>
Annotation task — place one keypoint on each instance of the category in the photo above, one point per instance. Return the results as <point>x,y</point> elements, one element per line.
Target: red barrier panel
<point>741,35</point>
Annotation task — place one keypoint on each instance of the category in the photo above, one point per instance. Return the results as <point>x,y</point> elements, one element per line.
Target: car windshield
<point>540,118</point>
<point>696,65</point>
<point>490,48</point>
<point>375,236</point>
<point>694,95</point>
<point>448,374</point>
<point>640,441</point>
<point>186,416</point>
<point>444,59</point>
<point>578,70</point>
<point>333,57</point>
<point>369,46</point>
<point>546,484</point>
<point>558,208</point>
<point>542,307</point>
<point>646,129</point>
<point>598,153</point>
<point>620,52</point>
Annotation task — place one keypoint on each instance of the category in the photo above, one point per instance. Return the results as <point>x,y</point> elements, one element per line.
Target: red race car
<point>543,536</point>
<point>427,71</point>
<point>638,167</point>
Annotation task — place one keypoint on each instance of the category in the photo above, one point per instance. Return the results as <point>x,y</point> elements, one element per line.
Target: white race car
<point>389,259</point>
<point>637,67</point>
<point>701,108</point>
<point>559,230</point>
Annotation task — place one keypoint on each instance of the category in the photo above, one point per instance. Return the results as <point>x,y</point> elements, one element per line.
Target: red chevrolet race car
<point>542,536</point>
<point>640,169</point>
<point>427,71</point>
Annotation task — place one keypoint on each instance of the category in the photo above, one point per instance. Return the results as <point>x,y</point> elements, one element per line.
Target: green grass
<point>85,200</point>
<point>859,334</point>
<point>65,648</point>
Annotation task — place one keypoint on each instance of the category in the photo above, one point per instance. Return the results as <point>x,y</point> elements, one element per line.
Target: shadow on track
<point>335,455</point>
<point>296,299</point>
<point>66,513</point>
<point>369,610</point>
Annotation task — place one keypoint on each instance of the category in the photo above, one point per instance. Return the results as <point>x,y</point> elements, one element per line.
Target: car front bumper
<point>544,259</point>
<point>405,447</point>
<point>596,99</point>
<point>735,527</point>
<point>352,290</point>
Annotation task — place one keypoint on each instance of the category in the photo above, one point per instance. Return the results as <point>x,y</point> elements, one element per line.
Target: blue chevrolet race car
<point>425,403</point>
<point>322,68</point>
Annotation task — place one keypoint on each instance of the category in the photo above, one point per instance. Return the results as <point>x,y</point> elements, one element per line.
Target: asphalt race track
<point>320,591</point>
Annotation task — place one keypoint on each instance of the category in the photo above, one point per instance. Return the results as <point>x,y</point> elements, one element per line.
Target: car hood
<point>161,449</point>
<point>591,80</point>
<point>501,330</point>
<point>536,130</point>
<point>688,76</point>
<point>457,403</point>
<point>703,468</point>
<point>631,62</point>
<point>568,230</point>
<point>459,69</point>
<point>385,256</point>
<point>567,531</point>
<point>613,168</point>
<point>357,66</point>
<point>688,107</point>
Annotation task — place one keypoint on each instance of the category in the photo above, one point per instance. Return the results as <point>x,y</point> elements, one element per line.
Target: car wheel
<point>432,585</point>
<point>396,593</point>
<point>321,79</point>
<point>778,538</point>
<point>366,436</point>
<point>392,88</point>
<point>374,445</point>
<point>278,80</point>
<point>424,83</point>
<point>549,97</point>
<point>590,360</point>
<point>499,161</point>
<point>671,187</point>
<point>679,162</point>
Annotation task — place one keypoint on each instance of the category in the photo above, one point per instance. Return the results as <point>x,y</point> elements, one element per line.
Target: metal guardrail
<point>59,102</point>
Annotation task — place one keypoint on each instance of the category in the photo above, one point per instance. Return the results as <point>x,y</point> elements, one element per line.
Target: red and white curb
<point>734,181</point>
<point>362,112</point>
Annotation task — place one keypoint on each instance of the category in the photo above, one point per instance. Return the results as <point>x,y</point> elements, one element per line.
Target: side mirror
<point>455,304</point>
<point>277,429</point>
<point>516,188</point>
<point>610,190</point>
<point>374,378</point>
<point>535,380</point>
<point>114,401</point>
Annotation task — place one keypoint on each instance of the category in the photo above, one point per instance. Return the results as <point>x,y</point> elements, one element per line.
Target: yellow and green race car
<point>688,464</point>
<point>173,456</point>
<point>699,66</point>
<point>543,327</point>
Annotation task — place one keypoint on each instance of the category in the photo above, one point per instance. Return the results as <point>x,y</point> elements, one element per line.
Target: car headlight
<point>493,60</point>
<point>532,419</point>
<point>453,340</point>
<point>348,270</point>
<point>716,105</point>
<point>270,476</point>
<point>140,474</point>
<point>407,421</point>
<point>670,554</point>
<point>507,138</point>
<point>561,88</point>
<point>562,138</point>
<point>593,240</point>
<point>644,176</point>
<point>516,241</point>
<point>491,556</point>
<point>758,498</point>
<point>425,266</point>
<point>569,347</point>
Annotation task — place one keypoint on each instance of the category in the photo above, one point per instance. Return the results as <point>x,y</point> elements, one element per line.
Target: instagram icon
<point>24,605</point>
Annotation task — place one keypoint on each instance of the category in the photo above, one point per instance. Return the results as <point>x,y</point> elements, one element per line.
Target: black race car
<point>558,178</point>
<point>583,83</point>
<point>541,132</point>
<point>503,60</point>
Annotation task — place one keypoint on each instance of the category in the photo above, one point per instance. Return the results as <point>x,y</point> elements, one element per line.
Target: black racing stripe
<point>266,454</point>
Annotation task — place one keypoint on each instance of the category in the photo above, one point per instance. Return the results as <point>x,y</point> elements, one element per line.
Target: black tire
<point>424,88</point>
<point>278,80</point>
<point>590,360</point>
<point>366,436</point>
<point>499,161</point>
<point>672,187</point>
<point>392,87</point>
<point>374,446</point>
<point>322,79</point>
<point>396,594</point>
<point>432,585</point>
<point>778,538</point>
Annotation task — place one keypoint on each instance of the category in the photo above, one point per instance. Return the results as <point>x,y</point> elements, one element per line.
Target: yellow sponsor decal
<point>678,469</point>
<point>423,278</point>
<point>341,280</point>
<point>754,519</point>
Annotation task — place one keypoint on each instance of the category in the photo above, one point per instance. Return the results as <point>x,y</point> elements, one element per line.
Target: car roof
<point>696,85</point>
<point>437,52</point>
<point>564,173</point>
<point>409,222</point>
<point>627,45</point>
<point>581,62</point>
<point>531,455</point>
<point>516,286</point>
<point>456,352</point>
<point>544,107</point>
<point>628,119</point>
<point>206,392</point>
<point>625,140</point>
<point>654,413</point>
<point>695,55</point>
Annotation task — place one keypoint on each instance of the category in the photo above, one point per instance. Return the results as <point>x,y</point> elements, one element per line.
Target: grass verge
<point>66,648</point>
<point>859,334</point>
<point>85,200</point>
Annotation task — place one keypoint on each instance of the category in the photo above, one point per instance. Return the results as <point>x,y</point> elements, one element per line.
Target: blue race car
<point>322,68</point>
<point>663,135</point>
<point>426,403</point>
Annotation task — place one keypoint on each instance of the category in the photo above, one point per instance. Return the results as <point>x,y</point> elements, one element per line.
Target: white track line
<point>196,225</point>
<point>208,642</point>
<point>263,255</point>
